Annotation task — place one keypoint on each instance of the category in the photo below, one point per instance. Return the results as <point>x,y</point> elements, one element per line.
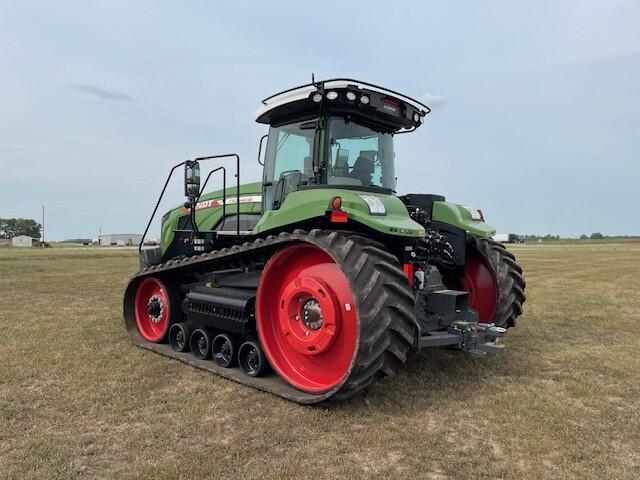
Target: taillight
<point>338,216</point>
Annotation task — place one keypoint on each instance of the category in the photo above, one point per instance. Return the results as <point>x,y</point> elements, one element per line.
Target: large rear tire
<point>494,281</point>
<point>335,318</point>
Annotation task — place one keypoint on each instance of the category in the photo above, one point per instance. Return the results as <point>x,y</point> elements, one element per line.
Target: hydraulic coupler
<point>477,339</point>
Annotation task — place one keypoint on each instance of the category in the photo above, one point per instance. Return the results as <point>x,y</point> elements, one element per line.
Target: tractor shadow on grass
<point>438,375</point>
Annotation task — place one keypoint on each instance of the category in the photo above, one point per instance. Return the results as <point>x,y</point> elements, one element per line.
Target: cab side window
<point>293,152</point>
<point>288,162</point>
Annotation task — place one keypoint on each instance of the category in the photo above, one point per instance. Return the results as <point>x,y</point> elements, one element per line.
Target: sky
<point>535,105</point>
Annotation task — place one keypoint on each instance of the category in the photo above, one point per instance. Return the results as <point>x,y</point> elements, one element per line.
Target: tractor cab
<point>335,133</point>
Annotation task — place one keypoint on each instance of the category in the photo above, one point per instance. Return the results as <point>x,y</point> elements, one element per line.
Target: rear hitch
<point>477,339</point>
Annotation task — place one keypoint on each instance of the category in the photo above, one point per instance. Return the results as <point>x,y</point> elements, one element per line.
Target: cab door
<point>289,162</point>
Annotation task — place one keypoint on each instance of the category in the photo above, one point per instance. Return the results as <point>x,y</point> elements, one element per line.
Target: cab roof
<point>369,104</point>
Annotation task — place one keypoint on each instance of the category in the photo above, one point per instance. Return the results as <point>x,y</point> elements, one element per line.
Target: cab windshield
<point>359,156</point>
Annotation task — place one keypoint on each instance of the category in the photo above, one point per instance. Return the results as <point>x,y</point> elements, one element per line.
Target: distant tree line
<point>12,227</point>
<point>584,236</point>
<point>535,238</point>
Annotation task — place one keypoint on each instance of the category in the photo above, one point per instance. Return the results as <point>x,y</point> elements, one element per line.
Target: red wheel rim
<point>479,280</point>
<point>152,310</point>
<point>306,318</point>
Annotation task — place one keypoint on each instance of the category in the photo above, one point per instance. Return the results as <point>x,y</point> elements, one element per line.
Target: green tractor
<point>317,281</point>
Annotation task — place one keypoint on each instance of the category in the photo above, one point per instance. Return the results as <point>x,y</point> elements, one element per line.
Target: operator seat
<point>363,170</point>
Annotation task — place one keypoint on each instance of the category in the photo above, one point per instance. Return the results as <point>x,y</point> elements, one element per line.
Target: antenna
<point>313,77</point>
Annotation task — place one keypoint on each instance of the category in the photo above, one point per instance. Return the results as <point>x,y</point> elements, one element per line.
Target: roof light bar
<point>356,83</point>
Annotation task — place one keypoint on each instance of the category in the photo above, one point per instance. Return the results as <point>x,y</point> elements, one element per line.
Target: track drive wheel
<point>153,309</point>
<point>494,281</point>
<point>332,317</point>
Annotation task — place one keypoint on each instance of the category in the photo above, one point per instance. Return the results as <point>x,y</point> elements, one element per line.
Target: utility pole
<point>43,224</point>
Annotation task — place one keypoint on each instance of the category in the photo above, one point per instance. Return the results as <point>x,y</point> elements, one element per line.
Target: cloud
<point>432,100</point>
<point>104,93</point>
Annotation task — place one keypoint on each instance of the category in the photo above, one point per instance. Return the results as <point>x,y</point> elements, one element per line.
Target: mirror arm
<point>192,217</point>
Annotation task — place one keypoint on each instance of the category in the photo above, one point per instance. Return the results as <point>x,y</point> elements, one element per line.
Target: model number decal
<point>229,201</point>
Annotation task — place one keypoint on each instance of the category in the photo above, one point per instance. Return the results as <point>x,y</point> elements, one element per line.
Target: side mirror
<point>191,179</point>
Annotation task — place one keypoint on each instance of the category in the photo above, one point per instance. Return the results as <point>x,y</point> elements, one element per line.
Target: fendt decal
<point>229,201</point>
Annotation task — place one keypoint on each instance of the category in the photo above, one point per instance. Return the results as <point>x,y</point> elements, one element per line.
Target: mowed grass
<point>77,400</point>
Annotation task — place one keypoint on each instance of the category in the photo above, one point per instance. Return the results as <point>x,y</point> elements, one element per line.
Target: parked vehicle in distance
<point>508,238</point>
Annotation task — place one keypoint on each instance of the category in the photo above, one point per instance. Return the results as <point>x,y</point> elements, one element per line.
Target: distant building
<point>22,241</point>
<point>120,239</point>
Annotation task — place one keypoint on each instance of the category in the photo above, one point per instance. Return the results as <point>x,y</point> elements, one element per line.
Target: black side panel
<point>247,222</point>
<point>248,280</point>
<point>420,205</point>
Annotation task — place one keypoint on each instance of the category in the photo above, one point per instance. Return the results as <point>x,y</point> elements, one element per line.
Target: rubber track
<point>384,306</point>
<point>511,283</point>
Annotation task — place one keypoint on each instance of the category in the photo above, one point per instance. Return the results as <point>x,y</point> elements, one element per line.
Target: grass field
<point>78,401</point>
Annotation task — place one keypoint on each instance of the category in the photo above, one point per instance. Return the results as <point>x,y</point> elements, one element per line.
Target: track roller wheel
<point>223,350</point>
<point>152,307</point>
<point>200,343</point>
<point>179,335</point>
<point>252,359</point>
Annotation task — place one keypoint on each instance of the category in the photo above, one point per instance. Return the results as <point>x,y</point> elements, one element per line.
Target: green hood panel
<point>459,216</point>
<point>314,202</point>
